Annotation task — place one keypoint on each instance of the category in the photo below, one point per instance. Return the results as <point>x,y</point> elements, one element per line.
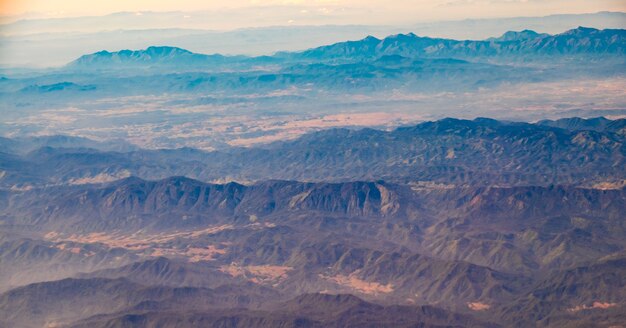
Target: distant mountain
<point>65,39</point>
<point>580,41</point>
<point>600,124</point>
<point>241,76</point>
<point>61,86</point>
<point>451,151</point>
<point>518,36</point>
<point>150,57</point>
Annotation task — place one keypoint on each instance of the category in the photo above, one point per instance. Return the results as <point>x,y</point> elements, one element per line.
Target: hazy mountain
<point>241,78</point>
<point>66,39</point>
<point>152,56</point>
<point>448,151</point>
<point>594,124</point>
<point>62,86</point>
<point>205,21</point>
<point>580,41</point>
<point>518,36</point>
<point>401,78</point>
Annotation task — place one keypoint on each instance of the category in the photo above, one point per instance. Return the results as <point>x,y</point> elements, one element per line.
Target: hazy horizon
<point>352,11</point>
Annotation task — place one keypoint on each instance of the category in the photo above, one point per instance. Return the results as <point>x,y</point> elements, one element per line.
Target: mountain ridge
<point>448,251</point>
<point>526,43</point>
<point>448,151</point>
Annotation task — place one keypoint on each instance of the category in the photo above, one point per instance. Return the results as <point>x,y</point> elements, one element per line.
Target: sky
<point>354,11</point>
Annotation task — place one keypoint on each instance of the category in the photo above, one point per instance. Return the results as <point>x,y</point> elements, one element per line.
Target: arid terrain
<point>390,181</point>
<point>472,240</point>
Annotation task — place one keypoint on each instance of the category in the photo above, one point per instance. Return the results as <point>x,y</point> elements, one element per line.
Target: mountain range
<point>443,248</point>
<point>327,187</point>
<point>581,41</point>
<point>578,41</point>
<point>449,151</point>
<point>169,97</point>
<point>65,39</point>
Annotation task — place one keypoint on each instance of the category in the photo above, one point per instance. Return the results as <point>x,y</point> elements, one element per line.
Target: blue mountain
<point>579,41</point>
<point>152,56</point>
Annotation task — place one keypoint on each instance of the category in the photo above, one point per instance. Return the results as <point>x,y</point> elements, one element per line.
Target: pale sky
<point>375,11</point>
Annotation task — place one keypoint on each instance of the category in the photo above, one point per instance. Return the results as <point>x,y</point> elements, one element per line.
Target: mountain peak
<point>165,50</point>
<point>581,30</point>
<point>517,36</point>
<point>402,36</point>
<point>153,55</point>
<point>371,38</point>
